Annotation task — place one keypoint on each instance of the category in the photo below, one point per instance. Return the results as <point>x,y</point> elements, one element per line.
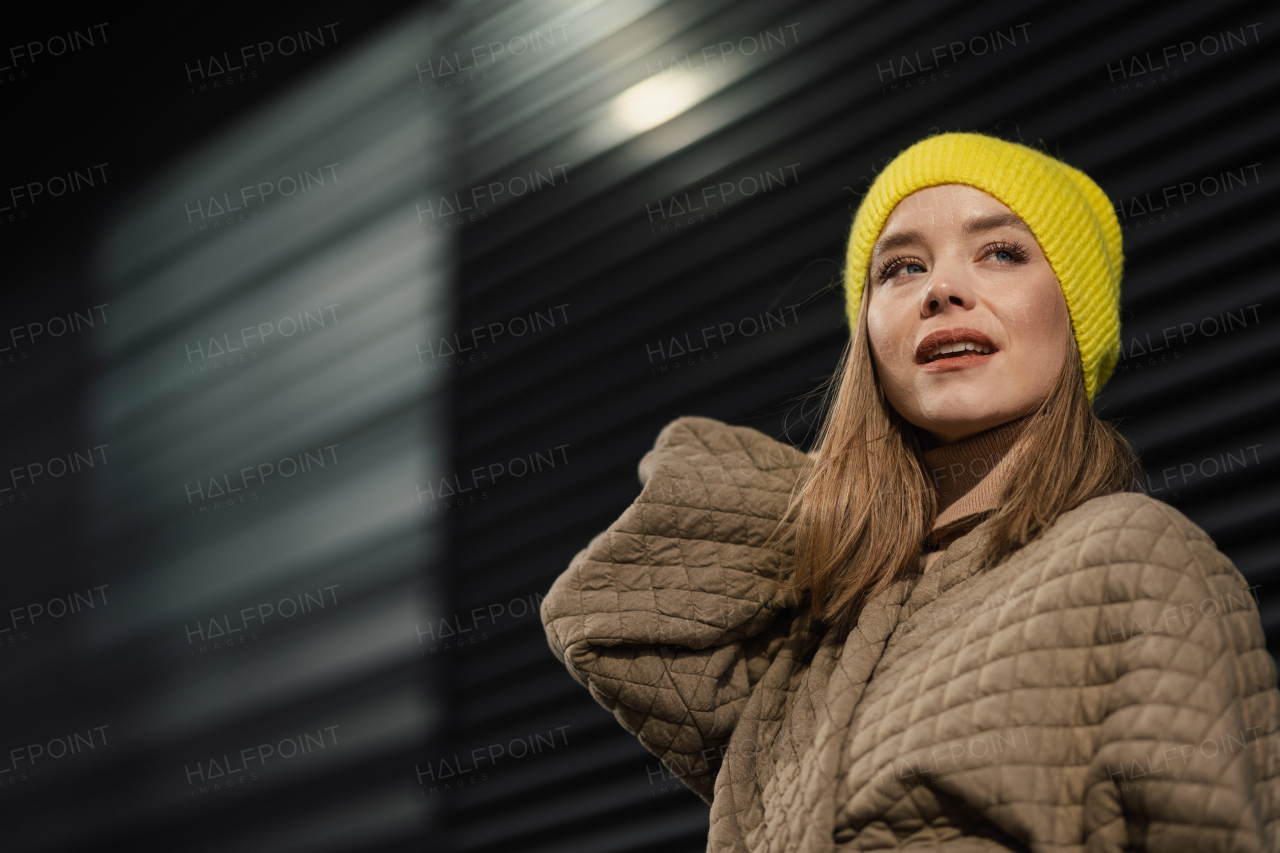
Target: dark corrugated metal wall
<point>821,109</point>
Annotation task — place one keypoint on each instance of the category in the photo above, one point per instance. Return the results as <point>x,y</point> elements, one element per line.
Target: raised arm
<point>671,615</point>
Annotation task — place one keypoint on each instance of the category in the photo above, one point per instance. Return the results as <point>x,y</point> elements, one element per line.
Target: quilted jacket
<point>1105,688</point>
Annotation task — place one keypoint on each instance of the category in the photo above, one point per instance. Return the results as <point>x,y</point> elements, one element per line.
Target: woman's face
<point>967,322</point>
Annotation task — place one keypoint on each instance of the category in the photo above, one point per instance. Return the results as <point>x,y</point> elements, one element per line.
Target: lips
<point>955,347</point>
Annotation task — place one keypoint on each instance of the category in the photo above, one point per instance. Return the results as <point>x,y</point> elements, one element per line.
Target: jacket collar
<point>970,476</point>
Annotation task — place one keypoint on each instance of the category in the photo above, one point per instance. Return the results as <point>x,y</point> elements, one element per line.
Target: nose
<point>944,292</point>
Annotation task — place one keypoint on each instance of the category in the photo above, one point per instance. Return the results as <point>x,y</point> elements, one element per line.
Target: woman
<point>958,626</point>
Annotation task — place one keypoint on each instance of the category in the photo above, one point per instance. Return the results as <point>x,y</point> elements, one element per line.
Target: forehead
<point>947,209</point>
<point>945,201</point>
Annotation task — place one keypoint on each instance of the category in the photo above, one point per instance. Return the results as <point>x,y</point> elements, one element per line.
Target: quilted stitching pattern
<point>1105,688</point>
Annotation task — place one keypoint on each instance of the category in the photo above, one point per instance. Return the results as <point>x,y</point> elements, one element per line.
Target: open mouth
<point>955,348</point>
<point>958,350</point>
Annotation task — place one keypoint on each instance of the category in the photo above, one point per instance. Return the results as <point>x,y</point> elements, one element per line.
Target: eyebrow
<point>978,225</point>
<point>994,221</point>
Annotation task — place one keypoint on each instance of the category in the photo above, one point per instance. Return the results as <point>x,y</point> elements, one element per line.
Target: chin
<point>963,410</point>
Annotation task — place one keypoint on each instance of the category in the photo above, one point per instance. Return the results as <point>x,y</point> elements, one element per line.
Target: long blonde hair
<point>863,510</point>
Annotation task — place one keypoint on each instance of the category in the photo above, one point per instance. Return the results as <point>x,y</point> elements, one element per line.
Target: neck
<point>957,467</point>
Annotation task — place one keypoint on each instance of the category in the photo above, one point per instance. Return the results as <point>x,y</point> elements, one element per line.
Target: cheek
<point>1038,312</point>
<point>881,332</point>
<point>1039,329</point>
<point>1048,317</point>
<point>875,330</point>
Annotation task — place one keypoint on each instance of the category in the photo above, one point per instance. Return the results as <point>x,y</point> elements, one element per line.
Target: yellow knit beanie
<point>1067,212</point>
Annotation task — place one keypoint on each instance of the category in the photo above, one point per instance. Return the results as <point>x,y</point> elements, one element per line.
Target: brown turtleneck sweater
<point>969,477</point>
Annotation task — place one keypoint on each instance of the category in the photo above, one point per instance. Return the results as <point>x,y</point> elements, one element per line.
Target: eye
<point>1005,253</point>
<point>894,266</point>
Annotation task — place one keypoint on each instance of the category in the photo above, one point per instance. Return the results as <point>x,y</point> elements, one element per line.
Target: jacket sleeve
<point>1188,751</point>
<point>673,613</point>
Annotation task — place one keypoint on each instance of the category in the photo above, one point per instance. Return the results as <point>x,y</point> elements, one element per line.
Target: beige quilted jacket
<point>1107,687</point>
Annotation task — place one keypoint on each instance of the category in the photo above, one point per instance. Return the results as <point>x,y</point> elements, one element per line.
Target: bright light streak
<point>654,101</point>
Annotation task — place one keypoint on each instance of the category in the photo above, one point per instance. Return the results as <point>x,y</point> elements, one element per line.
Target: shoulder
<point>1129,571</point>
<point>716,438</point>
<point>1147,540</point>
<point>712,450</point>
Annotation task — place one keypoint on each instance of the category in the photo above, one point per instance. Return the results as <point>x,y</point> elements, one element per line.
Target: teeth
<point>959,346</point>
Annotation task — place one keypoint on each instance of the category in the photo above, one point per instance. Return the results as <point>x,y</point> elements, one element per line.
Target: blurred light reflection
<point>268,420</point>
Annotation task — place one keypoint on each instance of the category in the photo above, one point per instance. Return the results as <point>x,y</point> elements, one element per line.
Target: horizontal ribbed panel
<point>820,102</point>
